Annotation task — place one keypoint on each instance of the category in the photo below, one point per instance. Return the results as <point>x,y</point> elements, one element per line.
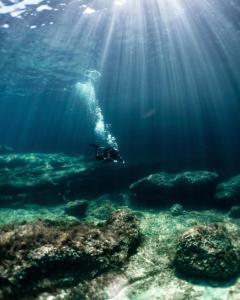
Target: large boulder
<point>52,252</point>
<point>228,192</point>
<point>193,187</point>
<point>195,182</point>
<point>207,252</point>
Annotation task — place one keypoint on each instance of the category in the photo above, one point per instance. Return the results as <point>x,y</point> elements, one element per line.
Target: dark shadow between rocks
<point>165,204</point>
<point>198,280</point>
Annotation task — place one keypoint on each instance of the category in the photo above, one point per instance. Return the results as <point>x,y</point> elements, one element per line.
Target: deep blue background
<point>168,101</point>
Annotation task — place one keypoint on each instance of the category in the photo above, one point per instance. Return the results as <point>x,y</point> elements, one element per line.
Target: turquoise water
<point>168,78</point>
<point>157,80</point>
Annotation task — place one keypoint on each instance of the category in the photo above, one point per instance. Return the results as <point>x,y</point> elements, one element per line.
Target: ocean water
<point>159,80</point>
<point>169,77</point>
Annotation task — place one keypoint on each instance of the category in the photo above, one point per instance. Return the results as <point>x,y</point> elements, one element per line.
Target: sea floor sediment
<point>111,247</point>
<point>148,274</point>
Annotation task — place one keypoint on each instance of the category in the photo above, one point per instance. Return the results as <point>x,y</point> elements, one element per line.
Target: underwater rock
<point>40,177</point>
<point>53,178</point>
<point>186,187</point>
<point>195,181</point>
<point>5,149</point>
<point>176,210</point>
<point>207,252</point>
<point>102,207</point>
<point>50,251</point>
<point>228,192</point>
<point>153,189</point>
<point>101,212</point>
<point>235,212</point>
<point>76,208</point>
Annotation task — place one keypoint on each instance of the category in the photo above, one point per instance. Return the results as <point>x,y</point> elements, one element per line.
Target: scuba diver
<point>110,154</point>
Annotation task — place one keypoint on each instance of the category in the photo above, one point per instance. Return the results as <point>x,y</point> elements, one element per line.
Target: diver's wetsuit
<point>108,154</point>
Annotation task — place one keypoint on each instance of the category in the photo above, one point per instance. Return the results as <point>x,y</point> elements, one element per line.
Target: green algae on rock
<point>207,252</point>
<point>32,253</point>
<point>162,188</point>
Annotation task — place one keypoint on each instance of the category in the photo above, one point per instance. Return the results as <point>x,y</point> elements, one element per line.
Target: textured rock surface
<point>228,193</point>
<point>208,252</point>
<point>32,253</point>
<point>163,188</point>
<point>149,273</point>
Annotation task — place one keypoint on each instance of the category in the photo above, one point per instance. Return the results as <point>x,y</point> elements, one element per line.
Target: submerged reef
<point>123,257</point>
<point>162,188</point>
<point>74,229</point>
<point>58,178</point>
<point>32,253</point>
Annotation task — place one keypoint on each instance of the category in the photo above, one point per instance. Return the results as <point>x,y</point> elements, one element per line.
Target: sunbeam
<point>119,149</point>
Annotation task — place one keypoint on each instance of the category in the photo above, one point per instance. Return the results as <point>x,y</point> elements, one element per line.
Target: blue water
<point>159,80</point>
<point>169,88</point>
